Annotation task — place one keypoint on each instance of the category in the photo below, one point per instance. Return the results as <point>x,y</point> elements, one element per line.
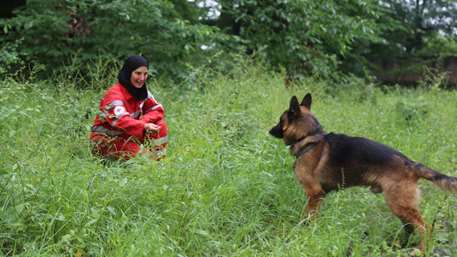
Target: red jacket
<point>123,115</point>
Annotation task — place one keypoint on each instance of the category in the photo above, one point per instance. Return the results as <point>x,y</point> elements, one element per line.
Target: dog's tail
<point>445,182</point>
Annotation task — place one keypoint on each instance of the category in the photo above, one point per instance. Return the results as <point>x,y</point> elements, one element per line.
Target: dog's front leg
<point>313,204</point>
<point>315,194</point>
<point>307,173</point>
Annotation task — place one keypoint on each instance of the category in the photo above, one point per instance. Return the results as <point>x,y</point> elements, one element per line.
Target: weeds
<point>225,189</point>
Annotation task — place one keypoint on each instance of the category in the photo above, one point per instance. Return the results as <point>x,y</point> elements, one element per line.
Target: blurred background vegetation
<point>393,41</point>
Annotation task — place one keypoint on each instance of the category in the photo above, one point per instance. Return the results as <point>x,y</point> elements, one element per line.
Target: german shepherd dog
<point>330,161</point>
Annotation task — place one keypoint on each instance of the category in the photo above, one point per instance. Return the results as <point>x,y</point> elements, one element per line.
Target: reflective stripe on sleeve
<point>136,115</point>
<point>117,103</point>
<point>154,107</point>
<point>109,132</point>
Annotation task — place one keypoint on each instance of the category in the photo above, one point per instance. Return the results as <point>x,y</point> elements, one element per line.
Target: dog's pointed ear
<point>294,107</point>
<point>307,100</point>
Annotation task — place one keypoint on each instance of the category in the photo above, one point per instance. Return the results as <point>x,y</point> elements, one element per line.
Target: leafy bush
<point>300,37</point>
<point>54,33</point>
<point>304,37</point>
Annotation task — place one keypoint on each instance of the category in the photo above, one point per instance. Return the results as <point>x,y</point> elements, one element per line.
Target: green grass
<point>226,188</point>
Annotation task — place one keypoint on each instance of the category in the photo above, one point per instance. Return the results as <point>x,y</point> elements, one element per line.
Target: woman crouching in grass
<point>130,121</point>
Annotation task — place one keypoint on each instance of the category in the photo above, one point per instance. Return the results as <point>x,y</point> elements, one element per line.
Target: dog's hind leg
<point>402,199</point>
<point>412,220</point>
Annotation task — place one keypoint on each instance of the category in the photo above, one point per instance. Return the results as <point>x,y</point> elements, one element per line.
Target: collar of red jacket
<point>126,93</point>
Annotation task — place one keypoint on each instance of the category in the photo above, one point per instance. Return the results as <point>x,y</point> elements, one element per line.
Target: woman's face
<point>139,76</point>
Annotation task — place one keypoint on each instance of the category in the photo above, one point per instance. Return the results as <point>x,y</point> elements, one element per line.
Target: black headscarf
<point>132,63</point>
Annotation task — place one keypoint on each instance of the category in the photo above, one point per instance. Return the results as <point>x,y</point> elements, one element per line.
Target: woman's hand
<point>151,128</point>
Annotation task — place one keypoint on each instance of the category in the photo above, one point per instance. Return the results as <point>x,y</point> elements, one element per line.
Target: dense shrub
<point>57,33</point>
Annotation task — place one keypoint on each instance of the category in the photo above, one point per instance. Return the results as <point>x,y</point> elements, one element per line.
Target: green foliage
<point>424,16</point>
<point>9,58</point>
<point>300,37</point>
<point>439,46</point>
<point>305,37</point>
<point>226,187</point>
<point>55,32</point>
<point>410,25</point>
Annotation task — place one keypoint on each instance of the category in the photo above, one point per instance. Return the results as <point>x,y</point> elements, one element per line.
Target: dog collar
<point>305,145</point>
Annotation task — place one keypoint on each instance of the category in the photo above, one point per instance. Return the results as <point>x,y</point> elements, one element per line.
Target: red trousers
<point>121,148</point>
